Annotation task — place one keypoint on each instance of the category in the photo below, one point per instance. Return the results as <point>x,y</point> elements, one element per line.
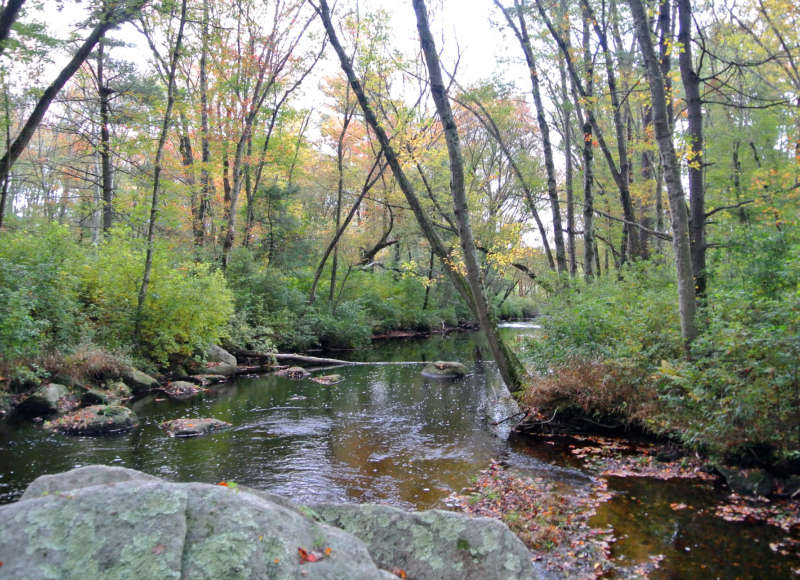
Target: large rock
<point>44,401</point>
<point>95,420</point>
<point>444,370</point>
<point>83,477</point>
<point>193,427</point>
<point>139,382</point>
<point>295,373</point>
<point>433,544</point>
<point>753,481</point>
<point>100,522</point>
<point>218,362</point>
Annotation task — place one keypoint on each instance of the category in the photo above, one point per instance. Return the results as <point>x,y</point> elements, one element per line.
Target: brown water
<point>386,434</point>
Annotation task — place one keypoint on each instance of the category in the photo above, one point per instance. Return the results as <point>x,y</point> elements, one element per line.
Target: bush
<point>188,305</point>
<point>39,307</point>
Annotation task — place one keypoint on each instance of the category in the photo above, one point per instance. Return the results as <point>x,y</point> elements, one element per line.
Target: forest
<point>296,175</point>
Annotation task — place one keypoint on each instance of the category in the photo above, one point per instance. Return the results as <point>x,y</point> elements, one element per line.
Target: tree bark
<point>672,177</point>
<point>105,140</point>
<point>691,86</point>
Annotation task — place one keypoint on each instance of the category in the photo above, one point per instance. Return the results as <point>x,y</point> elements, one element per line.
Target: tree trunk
<point>105,140</point>
<point>204,209</point>
<point>672,177</point>
<point>521,31</point>
<point>510,368</point>
<point>514,380</point>
<point>157,168</point>
<point>691,86</point>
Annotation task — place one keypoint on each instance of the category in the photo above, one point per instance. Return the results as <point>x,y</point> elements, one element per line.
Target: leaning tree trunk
<point>672,176</point>
<point>509,366</point>
<point>514,370</point>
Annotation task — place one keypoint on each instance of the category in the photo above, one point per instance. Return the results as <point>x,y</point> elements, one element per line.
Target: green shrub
<point>188,305</point>
<point>39,307</point>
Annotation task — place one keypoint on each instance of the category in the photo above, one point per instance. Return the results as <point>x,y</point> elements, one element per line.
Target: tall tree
<point>110,17</point>
<point>511,369</point>
<point>520,30</point>
<point>672,176</point>
<point>157,167</point>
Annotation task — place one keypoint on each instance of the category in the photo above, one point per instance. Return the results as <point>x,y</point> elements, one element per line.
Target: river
<point>386,434</point>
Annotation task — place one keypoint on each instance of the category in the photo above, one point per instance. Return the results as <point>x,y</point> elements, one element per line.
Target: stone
<point>182,390</point>
<point>444,370</point>
<point>112,522</point>
<point>95,420</point>
<point>82,477</point>
<point>139,382</point>
<point>754,481</point>
<point>433,544</point>
<point>218,362</point>
<point>112,394</point>
<point>296,373</point>
<point>193,427</point>
<point>328,379</point>
<point>44,401</point>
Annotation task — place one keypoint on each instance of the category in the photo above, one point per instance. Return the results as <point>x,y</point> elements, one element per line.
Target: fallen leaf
<point>309,556</point>
<point>399,572</point>
<point>159,549</point>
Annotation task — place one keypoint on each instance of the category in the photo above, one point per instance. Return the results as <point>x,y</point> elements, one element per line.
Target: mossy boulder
<point>218,361</point>
<point>101,522</point>
<point>433,544</point>
<point>139,382</point>
<point>193,427</point>
<point>444,370</point>
<point>95,420</point>
<point>47,400</point>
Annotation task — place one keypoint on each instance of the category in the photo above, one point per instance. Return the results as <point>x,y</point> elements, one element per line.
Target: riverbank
<point>576,532</point>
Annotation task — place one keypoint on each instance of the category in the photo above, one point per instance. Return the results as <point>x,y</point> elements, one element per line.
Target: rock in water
<point>328,380</point>
<point>139,382</point>
<point>182,390</point>
<point>100,522</point>
<point>44,401</point>
<point>192,427</point>
<point>95,420</point>
<point>296,373</point>
<point>218,362</point>
<point>444,370</point>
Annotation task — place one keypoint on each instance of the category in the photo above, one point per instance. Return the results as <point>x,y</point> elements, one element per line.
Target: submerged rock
<point>328,379</point>
<point>95,420</point>
<point>99,522</point>
<point>192,427</point>
<point>444,370</point>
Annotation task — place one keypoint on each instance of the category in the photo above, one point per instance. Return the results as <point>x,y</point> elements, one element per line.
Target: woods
<point>290,174</point>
